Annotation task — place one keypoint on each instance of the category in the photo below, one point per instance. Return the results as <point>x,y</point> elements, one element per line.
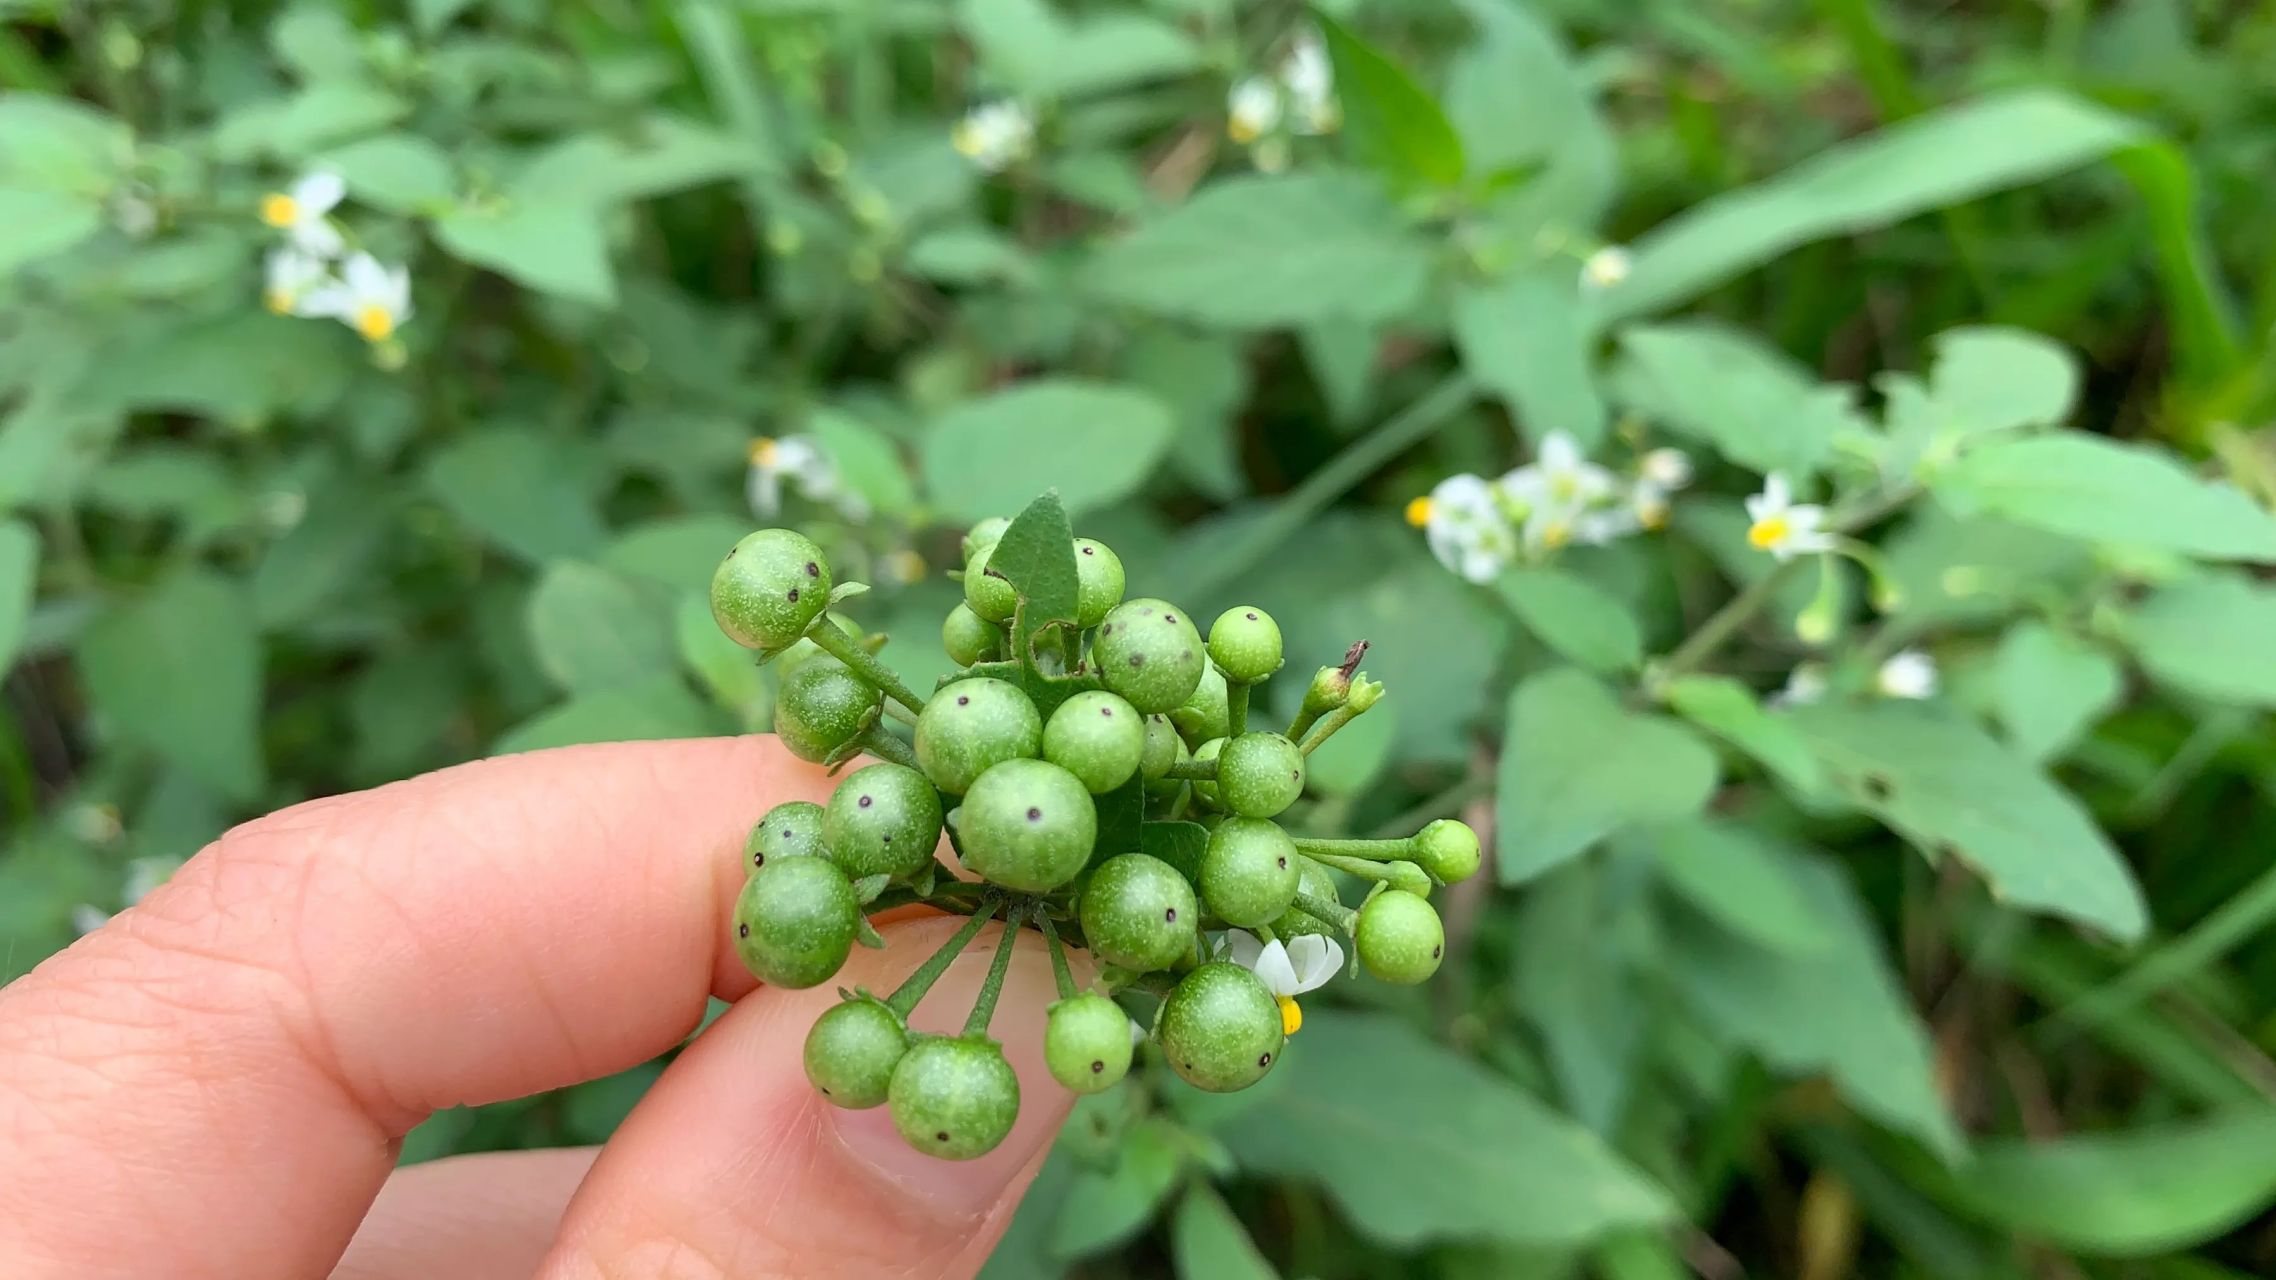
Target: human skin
<point>215,1084</point>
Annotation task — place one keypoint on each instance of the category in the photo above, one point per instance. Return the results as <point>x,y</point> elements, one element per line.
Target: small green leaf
<point>1029,46</point>
<point>2049,688</point>
<point>726,668</point>
<point>1390,121</point>
<point>1096,442</point>
<point>968,255</point>
<point>42,224</point>
<point>399,172</point>
<point>677,551</point>
<point>1524,338</point>
<point>324,554</point>
<point>178,671</point>
<point>19,578</point>
<point>1578,766</point>
<point>1103,1209</point>
<point>1572,615</point>
<point>1988,378</point>
<point>1739,878</point>
<point>2212,638</point>
<point>2099,490</point>
<point>866,462</point>
<point>1729,710</point>
<point>1209,1243</point>
<point>593,630</point>
<point>512,487</point>
<point>1582,932</point>
<point>1731,390</point>
<point>553,247</point>
<point>1178,843</point>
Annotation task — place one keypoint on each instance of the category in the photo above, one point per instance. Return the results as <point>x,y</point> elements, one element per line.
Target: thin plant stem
<point>877,742</point>
<point>1366,850</point>
<point>984,1009</point>
<point>1364,868</point>
<point>826,636</point>
<point>1059,971</point>
<point>1195,770</point>
<point>1327,909</point>
<point>1236,709</point>
<point>904,999</point>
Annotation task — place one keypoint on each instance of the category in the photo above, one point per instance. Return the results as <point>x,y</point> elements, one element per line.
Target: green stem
<point>1725,623</point>
<point>1326,729</point>
<point>1236,709</point>
<point>1059,972</point>
<point>1359,865</point>
<point>1368,850</point>
<point>877,742</point>
<point>901,713</point>
<point>1196,770</point>
<point>1327,909</point>
<point>984,1009</point>
<point>826,636</point>
<point>904,999</point>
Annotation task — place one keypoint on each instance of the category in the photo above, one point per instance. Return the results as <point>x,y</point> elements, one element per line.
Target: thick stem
<point>1236,709</point>
<point>877,742</point>
<point>1200,770</point>
<point>1361,866</point>
<point>1059,972</point>
<point>1366,850</point>
<point>984,1009</point>
<point>826,636</point>
<point>894,709</point>
<point>904,999</point>
<point>1327,909</point>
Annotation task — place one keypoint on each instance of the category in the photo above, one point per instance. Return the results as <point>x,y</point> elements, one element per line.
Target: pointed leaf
<point>1390,121</point>
<point>2099,490</point>
<point>1577,766</point>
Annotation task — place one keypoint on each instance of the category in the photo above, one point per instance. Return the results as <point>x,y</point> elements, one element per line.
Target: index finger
<point>215,1083</point>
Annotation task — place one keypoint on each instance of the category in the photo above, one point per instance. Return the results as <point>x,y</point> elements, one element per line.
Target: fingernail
<point>965,1189</point>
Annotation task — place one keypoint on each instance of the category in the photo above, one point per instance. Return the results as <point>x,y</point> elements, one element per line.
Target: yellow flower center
<point>1291,1017</point>
<point>907,566</point>
<point>279,209</point>
<point>279,301</point>
<point>1652,515</point>
<point>1556,534</point>
<point>375,322</point>
<point>763,452</point>
<point>1564,488</point>
<point>1418,512</point>
<point>1242,129</point>
<point>967,140</point>
<point>1770,531</point>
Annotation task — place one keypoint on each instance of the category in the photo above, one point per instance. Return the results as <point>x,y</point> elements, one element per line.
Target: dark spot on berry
<point>1294,774</point>
<point>742,931</point>
<point>1137,659</point>
<point>1876,786</point>
<point>886,838</point>
<point>1169,617</point>
<point>1088,551</point>
<point>1264,1059</point>
<point>1436,951</point>
<point>1170,915</point>
<point>963,699</point>
<point>813,570</point>
<point>794,595</point>
<point>1189,1066</point>
<point>759,859</point>
<point>1280,862</point>
<point>1096,1065</point>
<point>1106,630</point>
<point>865,802</point>
<point>942,1136</point>
<point>1106,711</point>
<point>1035,815</point>
<point>1251,615</point>
<point>825,1092</point>
<point>731,552</point>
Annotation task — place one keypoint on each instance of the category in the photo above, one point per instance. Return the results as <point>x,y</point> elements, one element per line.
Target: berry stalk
<point>1194,770</point>
<point>826,636</point>
<point>1367,850</point>
<point>984,1009</point>
<point>1236,708</point>
<point>1059,971</point>
<point>877,742</point>
<point>1328,909</point>
<point>904,999</point>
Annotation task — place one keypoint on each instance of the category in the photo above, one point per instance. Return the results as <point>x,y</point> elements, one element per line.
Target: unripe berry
<point>968,637</point>
<point>822,706</point>
<point>1138,912</point>
<point>1407,876</point>
<point>1312,880</point>
<point>1400,937</point>
<point>1221,1028</point>
<point>1207,713</point>
<point>1448,850</point>
<point>971,726</point>
<point>954,1097</point>
<point>1098,737</point>
<point>884,819</point>
<point>1163,747</point>
<point>1027,825</point>
<point>795,921</point>
<point>1098,582</point>
<point>1245,643</point>
<point>790,829</point>
<point>1086,1043</point>
<point>992,597</point>
<point>1147,651</point>
<point>852,1050</point>
<point>1203,789</point>
<point>985,534</point>
<point>1248,872</point>
<point>1260,774</point>
<point>770,586</point>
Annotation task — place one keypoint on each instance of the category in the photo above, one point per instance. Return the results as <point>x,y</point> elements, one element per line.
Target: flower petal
<point>317,192</point>
<point>1316,958</point>
<point>1274,970</point>
<point>1243,948</point>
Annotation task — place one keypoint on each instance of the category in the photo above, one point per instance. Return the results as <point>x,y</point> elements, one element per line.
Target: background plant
<point>1970,985</point>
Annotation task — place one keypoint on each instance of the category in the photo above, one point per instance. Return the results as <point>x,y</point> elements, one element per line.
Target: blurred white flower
<point>905,566</point>
<point>1311,82</point>
<point>372,299</point>
<point>299,212</point>
<point>1559,495</point>
<point>1465,528</point>
<point>1909,673</point>
<point>995,136</point>
<point>1304,963</point>
<point>1252,110</point>
<point>291,276</point>
<point>1606,267</point>
<point>1804,685</point>
<point>86,918</point>
<point>1783,527</point>
<point>1659,473</point>
<point>133,213</point>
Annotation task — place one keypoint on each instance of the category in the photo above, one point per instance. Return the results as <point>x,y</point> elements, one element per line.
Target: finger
<point>236,1057</point>
<point>734,1166</point>
<point>481,1217</point>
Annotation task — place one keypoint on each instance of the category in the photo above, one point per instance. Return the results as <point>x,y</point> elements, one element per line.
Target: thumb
<point>734,1165</point>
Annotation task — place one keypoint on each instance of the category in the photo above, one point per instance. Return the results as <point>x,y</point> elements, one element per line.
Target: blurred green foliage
<point>1976,985</point>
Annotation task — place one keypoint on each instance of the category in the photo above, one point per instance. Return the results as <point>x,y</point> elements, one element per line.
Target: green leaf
<point>1583,622</point>
<point>1731,711</point>
<point>677,551</point>
<point>1037,556</point>
<point>19,579</point>
<point>1408,1164</point>
<point>511,487</point>
<point>178,671</point>
<point>398,172</point>
<point>1737,877</point>
<point>2208,637</point>
<point>1926,162</point>
<point>1027,45</point>
<point>650,156</point>
<point>593,630</point>
<point>1095,441</point>
<point>1523,108</point>
<point>42,224</point>
<point>322,555</point>
<point>553,247</point>
<point>1204,379</point>
<point>1178,843</point>
<point>240,366</point>
<point>61,144</point>
<point>726,668</point>
<point>1524,338</point>
<point>656,708</point>
<point>1578,766</point>
<point>1953,791</point>
<point>295,127</point>
<point>2049,688</point>
<point>1103,1209</point>
<point>1988,378</point>
<point>970,255</point>
<point>1209,1243</point>
<point>1259,252</point>
<point>867,462</point>
<point>1389,120</point>
<point>1836,1008</point>
<point>2153,1190</point>
<point>2099,490</point>
<point>1731,390</point>
<point>1581,932</point>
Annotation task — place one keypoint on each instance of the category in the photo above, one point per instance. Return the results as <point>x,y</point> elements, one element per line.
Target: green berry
<point>1245,643</point>
<point>1248,872</point>
<point>1221,1029</point>
<point>852,1050</point>
<point>1028,826</point>
<point>795,921</point>
<point>1312,880</point>
<point>884,819</point>
<point>1400,938</point>
<point>1098,581</point>
<point>1204,789</point>
<point>967,636</point>
<point>983,535</point>
<point>1207,713</point>
<point>806,650</point>
<point>1138,912</point>
<point>1448,850</point>
<point>954,1097</point>
<point>1086,1043</point>
<point>822,706</point>
<point>1407,876</point>
<point>792,829</point>
<point>1260,774</point>
<point>1148,651</point>
<point>769,588</point>
<point>1098,737</point>
<point>971,726</point>
<point>993,598</point>
<point>1163,747</point>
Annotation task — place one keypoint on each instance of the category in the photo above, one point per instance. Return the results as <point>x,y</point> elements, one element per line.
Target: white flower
<point>1804,685</point>
<point>372,299</point>
<point>1252,110</point>
<point>1305,963</point>
<point>1465,528</point>
<point>1908,673</point>
<point>86,918</point>
<point>291,275</point>
<point>797,458</point>
<point>1568,478</point>
<point>995,136</point>
<point>1311,82</point>
<point>1558,496</point>
<point>299,212</point>
<point>1658,474</point>
<point>1783,527</point>
<point>1606,267</point>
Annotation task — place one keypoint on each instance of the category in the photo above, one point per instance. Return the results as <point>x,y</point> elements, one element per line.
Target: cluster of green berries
<point>1093,767</point>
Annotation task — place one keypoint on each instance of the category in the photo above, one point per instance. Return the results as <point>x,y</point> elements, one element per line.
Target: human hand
<point>215,1083</point>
